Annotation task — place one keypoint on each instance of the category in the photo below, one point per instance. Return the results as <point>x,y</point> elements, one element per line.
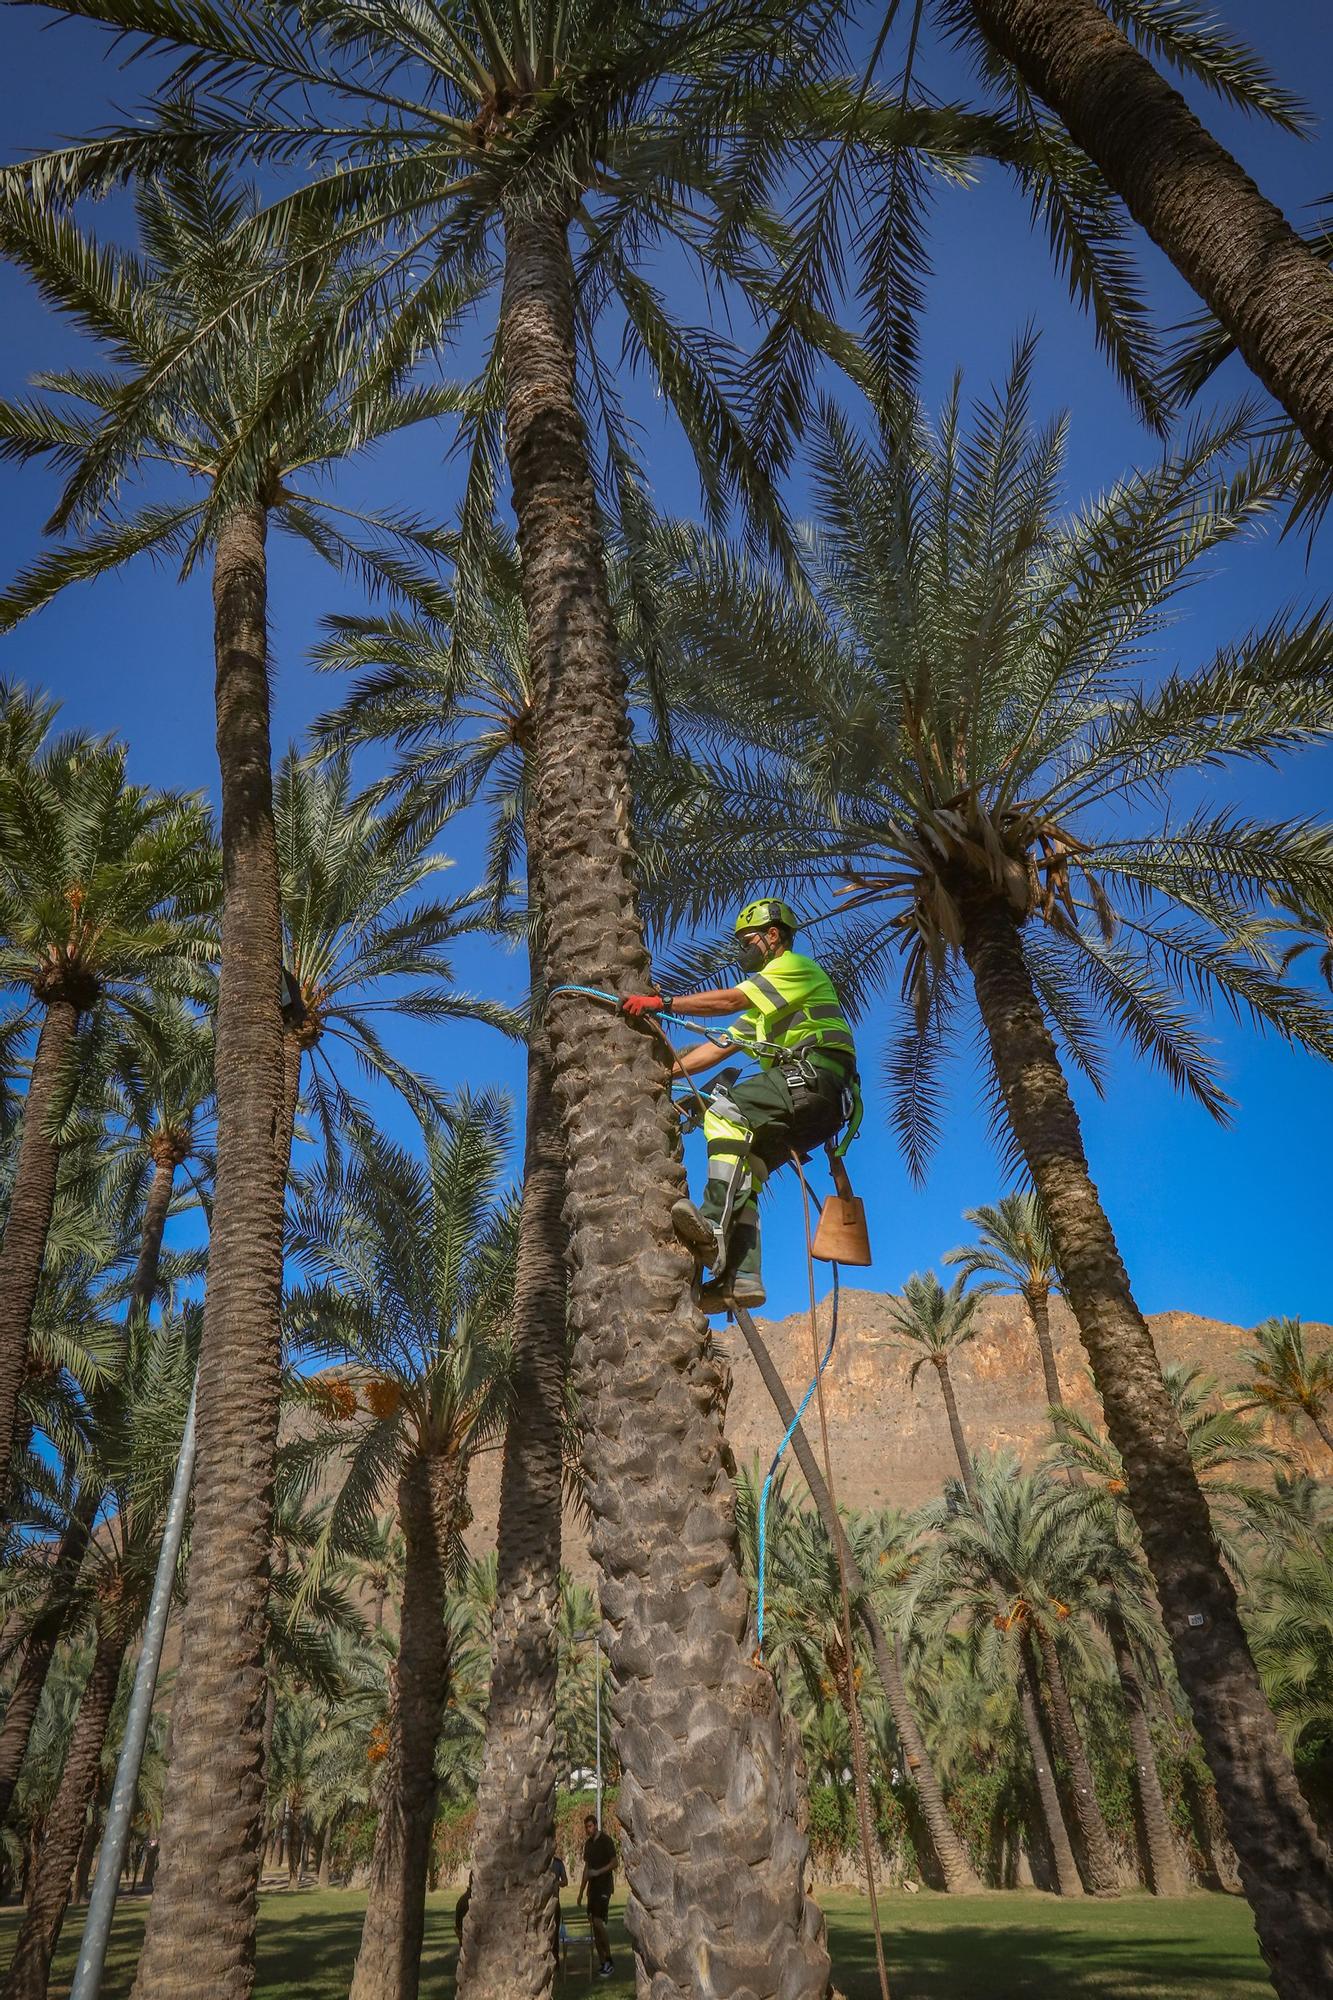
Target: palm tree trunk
<point>292,1055</point>
<point>1038,1302</point>
<point>1099,1854</point>
<point>156,1209</point>
<point>1048,1795</point>
<point>92,1834</point>
<point>1164,1872</point>
<point>961,1452</point>
<point>29,1221</point>
<point>694,1718</point>
<point>951,1859</point>
<point>200,1932</point>
<point>1067,1878</point>
<point>1199,206</point>
<point>1284,1863</point>
<point>388,1965</point>
<point>38,1653</point>
<point>506,1947</point>
<point>49,1891</point>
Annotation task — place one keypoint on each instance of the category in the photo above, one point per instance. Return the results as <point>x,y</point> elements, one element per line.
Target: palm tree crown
<point>1288,1381</point>
<point>410,1263</point>
<point>932,1320</point>
<point>957,713</point>
<point>105,886</point>
<point>1014,1243</point>
<point>212,422</point>
<point>363,938</point>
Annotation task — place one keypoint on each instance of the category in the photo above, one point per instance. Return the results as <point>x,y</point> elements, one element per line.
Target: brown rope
<point>853,1705</point>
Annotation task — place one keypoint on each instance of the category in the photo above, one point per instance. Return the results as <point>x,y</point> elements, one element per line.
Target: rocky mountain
<point>891,1443</point>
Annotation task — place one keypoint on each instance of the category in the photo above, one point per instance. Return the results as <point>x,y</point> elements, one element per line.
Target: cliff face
<point>891,1444</point>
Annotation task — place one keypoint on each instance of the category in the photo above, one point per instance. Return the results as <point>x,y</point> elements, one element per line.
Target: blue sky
<point>1228,1223</point>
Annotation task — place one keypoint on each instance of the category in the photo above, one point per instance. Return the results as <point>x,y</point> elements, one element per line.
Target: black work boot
<point>720,1294</point>
<point>694,1230</point>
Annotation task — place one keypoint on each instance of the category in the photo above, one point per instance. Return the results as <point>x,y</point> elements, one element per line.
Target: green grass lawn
<point>1004,1947</point>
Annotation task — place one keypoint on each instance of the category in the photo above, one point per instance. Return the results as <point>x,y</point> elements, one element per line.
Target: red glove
<point>638,1004</point>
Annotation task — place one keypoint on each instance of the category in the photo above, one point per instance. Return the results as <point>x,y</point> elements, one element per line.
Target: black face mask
<point>751,956</point>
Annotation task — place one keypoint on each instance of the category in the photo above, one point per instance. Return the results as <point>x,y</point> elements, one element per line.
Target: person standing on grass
<point>599,1872</point>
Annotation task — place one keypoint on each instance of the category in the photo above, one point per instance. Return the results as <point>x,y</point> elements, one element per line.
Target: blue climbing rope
<point>721,1038</point>
<point>786,1440</point>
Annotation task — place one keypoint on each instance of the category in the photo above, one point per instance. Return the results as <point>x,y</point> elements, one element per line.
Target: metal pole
<point>115,1840</point>
<point>597,1685</point>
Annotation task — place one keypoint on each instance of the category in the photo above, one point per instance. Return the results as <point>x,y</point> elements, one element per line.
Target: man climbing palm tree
<point>807,1090</point>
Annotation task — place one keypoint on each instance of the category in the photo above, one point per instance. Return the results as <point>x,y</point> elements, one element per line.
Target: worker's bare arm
<point>693,1062</point>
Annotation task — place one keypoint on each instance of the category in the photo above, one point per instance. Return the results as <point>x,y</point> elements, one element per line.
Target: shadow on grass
<point>988,1948</point>
<point>1082,1958</point>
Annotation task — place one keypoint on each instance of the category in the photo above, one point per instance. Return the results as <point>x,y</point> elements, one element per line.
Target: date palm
<point>1091,64</point>
<point>1019,1558</point>
<point>933,1324</point>
<point>455,701</point>
<point>237,458</point>
<point>105,887</point>
<point>362,938</point>
<point>949,1854</point>
<point>955,727</point>
<point>76,1347</point>
<point>1223,1446</point>
<point>1285,1380</point>
<point>136,1416</point>
<point>548,155</point>
<point>411,1277</point>
<point>159,1119</point>
<point>1293,1626</point>
<point>1014,1243</point>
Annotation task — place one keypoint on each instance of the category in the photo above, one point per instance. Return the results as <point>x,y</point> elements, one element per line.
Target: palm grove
<point>922,689</point>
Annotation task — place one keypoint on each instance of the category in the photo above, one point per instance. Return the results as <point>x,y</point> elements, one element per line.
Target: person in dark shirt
<point>460,1908</point>
<point>599,1873</point>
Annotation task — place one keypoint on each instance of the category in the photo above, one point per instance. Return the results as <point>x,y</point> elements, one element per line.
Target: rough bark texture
<point>1284,1864</point>
<point>48,1893</point>
<point>166,1158</point>
<point>1038,1302</point>
<point>1067,1878</point>
<point>1165,1876</point>
<point>200,1934</point>
<point>39,1650</point>
<point>709,1804</point>
<point>388,1965</point>
<point>507,1951</point>
<point>29,1221</point>
<point>961,1451</point>
<point>954,1868</point>
<point>1103,1873</point>
<point>1199,206</point>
